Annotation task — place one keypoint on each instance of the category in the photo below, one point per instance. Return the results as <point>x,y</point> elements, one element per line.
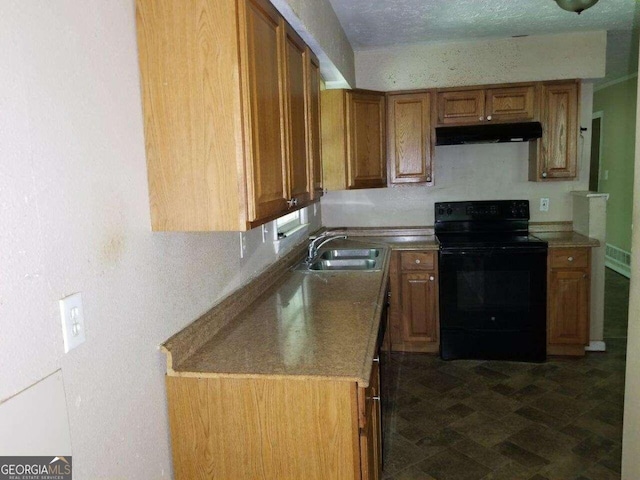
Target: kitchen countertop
<point>566,239</point>
<point>308,324</point>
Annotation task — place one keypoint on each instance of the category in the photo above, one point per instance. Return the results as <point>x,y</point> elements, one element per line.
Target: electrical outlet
<point>243,244</point>
<point>544,204</point>
<point>72,317</point>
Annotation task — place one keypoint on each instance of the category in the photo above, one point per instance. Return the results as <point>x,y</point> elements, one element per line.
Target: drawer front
<point>569,257</point>
<point>418,260</point>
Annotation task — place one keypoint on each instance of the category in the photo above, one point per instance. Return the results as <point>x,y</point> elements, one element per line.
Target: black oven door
<point>493,303</point>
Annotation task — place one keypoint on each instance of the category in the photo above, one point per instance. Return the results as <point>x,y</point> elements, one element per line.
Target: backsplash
<point>462,172</point>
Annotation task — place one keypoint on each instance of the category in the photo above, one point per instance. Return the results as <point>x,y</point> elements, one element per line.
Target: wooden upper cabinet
<point>224,93</point>
<point>367,166</point>
<point>554,156</point>
<point>296,117</point>
<point>267,169</point>
<point>504,104</point>
<point>409,138</point>
<point>353,139</point>
<point>314,143</point>
<point>460,107</point>
<point>511,104</point>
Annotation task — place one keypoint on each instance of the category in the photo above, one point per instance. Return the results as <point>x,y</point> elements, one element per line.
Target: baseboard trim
<point>617,267</point>
<point>596,346</point>
<point>618,260</point>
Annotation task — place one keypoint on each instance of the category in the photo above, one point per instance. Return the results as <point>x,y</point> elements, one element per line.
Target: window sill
<point>292,237</point>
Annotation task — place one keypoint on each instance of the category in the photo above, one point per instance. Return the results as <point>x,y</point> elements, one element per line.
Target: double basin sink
<point>341,259</point>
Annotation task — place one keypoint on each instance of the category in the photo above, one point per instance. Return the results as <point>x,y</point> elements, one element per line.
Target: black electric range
<point>493,283</point>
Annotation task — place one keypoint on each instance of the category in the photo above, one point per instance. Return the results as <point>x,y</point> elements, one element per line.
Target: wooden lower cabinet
<point>274,428</point>
<point>371,427</point>
<point>568,297</point>
<point>414,301</point>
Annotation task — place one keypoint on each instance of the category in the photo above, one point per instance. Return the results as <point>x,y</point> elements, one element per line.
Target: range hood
<point>488,133</point>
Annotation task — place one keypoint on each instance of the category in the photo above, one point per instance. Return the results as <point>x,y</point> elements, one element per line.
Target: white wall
<point>23,416</point>
<point>318,24</point>
<point>631,431</point>
<point>464,172</point>
<point>545,57</point>
<point>75,217</point>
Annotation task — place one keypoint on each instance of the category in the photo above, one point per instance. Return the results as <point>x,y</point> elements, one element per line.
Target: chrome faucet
<point>316,243</point>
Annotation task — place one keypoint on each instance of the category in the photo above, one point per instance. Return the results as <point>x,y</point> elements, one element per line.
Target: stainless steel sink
<point>350,253</point>
<point>344,264</point>
<point>345,259</point>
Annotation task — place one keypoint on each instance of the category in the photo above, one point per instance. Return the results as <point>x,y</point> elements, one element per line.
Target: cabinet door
<point>419,307</point>
<point>410,142</point>
<point>511,104</point>
<point>267,170</point>
<point>568,307</point>
<point>298,166</point>
<point>370,434</point>
<point>460,107</point>
<point>367,164</point>
<point>559,116</point>
<point>313,123</point>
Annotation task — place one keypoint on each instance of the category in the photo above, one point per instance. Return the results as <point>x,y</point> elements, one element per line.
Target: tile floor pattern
<point>489,420</point>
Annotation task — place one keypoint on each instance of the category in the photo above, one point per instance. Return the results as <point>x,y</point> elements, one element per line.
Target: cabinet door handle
<point>489,117</point>
<point>481,118</point>
<point>432,278</point>
<point>544,174</point>
<point>417,260</point>
<point>377,359</point>
<point>585,276</point>
<point>428,178</point>
<point>570,259</point>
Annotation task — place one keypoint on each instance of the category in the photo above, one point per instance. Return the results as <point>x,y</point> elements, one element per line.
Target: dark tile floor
<point>472,420</point>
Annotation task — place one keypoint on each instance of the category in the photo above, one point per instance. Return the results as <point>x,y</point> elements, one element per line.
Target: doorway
<point>596,152</point>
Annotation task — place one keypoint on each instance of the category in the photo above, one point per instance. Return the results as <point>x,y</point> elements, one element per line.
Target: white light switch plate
<point>72,317</point>
<point>243,244</point>
<point>544,204</point>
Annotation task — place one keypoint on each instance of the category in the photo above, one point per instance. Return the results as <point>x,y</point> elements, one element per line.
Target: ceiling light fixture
<point>576,5</point>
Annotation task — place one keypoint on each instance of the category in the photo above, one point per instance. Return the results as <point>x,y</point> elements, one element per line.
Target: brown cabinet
<point>554,156</point>
<point>296,117</point>
<point>267,188</point>
<point>266,427</point>
<point>410,138</point>
<point>370,427</point>
<point>414,301</point>
<point>511,104</point>
<point>568,297</point>
<point>226,104</point>
<point>353,139</point>
<point>480,105</point>
<point>314,140</point>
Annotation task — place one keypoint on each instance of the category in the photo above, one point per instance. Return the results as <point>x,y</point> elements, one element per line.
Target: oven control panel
<point>482,210</point>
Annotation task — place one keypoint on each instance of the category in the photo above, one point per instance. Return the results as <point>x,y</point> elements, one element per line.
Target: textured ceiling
<point>384,23</point>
